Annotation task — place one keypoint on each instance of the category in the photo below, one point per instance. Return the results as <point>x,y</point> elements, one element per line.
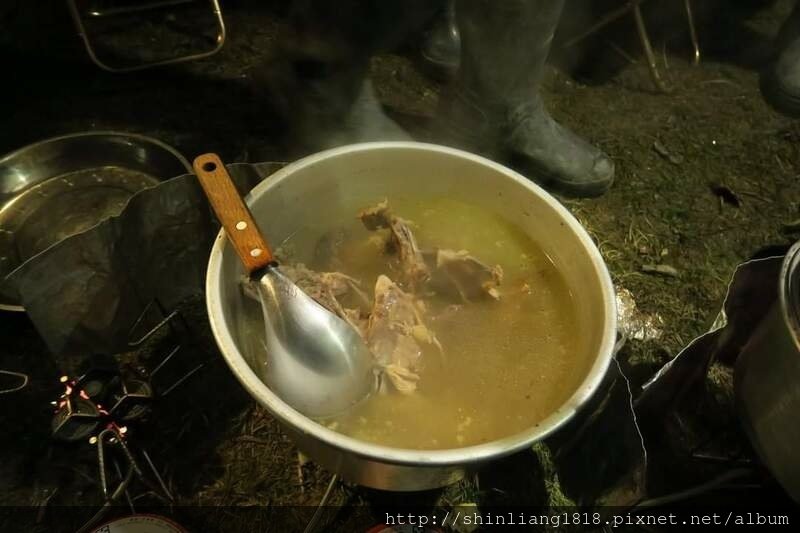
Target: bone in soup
<point>472,327</point>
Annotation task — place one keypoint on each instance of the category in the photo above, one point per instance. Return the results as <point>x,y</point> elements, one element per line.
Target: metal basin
<point>324,188</point>
<point>62,186</point>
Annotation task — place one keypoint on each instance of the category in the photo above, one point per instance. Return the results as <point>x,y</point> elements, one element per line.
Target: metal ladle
<point>316,362</point>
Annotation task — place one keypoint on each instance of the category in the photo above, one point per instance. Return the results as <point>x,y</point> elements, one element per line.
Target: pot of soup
<point>487,306</point>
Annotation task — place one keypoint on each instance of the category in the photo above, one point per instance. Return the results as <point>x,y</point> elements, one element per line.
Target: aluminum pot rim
<point>403,456</point>
<point>99,133</point>
<point>789,292</point>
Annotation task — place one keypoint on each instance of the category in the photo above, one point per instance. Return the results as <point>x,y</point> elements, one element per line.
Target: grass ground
<point>705,177</point>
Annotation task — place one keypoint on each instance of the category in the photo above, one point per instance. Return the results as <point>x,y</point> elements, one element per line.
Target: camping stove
<point>113,391</point>
<point>104,396</point>
<point>115,395</point>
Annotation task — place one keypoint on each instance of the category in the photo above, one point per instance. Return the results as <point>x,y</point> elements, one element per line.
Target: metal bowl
<point>325,188</point>
<point>62,186</point>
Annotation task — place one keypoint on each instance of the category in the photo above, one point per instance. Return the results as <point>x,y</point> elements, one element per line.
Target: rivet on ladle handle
<point>232,213</point>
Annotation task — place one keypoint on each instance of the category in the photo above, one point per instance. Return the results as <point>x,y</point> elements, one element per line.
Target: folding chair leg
<point>77,18</point>
<point>648,50</point>
<point>692,31</point>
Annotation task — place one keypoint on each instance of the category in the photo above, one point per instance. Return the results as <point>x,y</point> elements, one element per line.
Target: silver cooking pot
<point>323,189</point>
<point>767,380</point>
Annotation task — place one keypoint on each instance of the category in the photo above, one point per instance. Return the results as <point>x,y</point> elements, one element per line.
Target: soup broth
<point>504,365</point>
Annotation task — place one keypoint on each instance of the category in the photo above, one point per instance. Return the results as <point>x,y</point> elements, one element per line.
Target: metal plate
<point>63,186</point>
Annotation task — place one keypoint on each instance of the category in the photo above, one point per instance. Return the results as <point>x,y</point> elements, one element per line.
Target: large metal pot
<point>327,187</point>
<point>767,380</point>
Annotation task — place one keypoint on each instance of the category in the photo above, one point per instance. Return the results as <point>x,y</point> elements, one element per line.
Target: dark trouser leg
<point>780,83</point>
<point>318,82</point>
<point>504,47</point>
<point>441,45</point>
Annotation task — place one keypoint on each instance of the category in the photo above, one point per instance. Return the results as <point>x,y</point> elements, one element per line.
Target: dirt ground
<point>705,176</point>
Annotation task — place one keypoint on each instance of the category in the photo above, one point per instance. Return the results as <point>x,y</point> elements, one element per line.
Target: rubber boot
<point>495,107</point>
<point>317,81</point>
<point>441,45</point>
<point>780,82</point>
<point>325,104</point>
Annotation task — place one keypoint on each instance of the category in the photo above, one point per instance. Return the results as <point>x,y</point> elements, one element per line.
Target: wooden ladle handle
<point>232,212</point>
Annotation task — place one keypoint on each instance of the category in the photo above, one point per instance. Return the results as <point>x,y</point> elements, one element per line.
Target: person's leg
<point>780,83</point>
<point>440,49</point>
<point>504,47</point>
<point>318,81</point>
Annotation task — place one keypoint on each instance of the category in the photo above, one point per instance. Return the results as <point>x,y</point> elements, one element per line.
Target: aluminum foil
<point>750,294</point>
<point>632,323</point>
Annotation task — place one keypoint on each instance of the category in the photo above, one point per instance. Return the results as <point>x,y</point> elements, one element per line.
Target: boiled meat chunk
<point>401,241</point>
<point>395,333</point>
<point>459,273</point>
<point>450,272</point>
